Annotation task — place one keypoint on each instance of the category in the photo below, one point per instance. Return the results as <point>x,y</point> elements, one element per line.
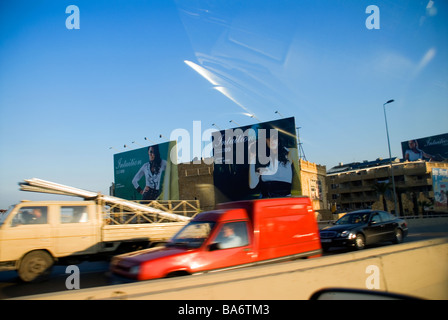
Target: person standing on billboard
<point>152,171</point>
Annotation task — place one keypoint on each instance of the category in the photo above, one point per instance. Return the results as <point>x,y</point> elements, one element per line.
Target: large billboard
<point>146,173</point>
<point>434,148</point>
<point>440,187</point>
<point>256,161</point>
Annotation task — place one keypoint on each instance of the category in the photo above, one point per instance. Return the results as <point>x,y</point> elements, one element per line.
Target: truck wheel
<point>35,266</point>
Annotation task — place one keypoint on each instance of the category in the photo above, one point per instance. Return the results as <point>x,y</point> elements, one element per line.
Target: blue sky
<point>67,96</point>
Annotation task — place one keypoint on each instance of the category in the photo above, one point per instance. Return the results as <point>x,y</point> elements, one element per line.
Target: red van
<point>237,234</point>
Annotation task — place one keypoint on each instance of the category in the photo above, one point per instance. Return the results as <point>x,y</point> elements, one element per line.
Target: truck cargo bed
<point>155,232</point>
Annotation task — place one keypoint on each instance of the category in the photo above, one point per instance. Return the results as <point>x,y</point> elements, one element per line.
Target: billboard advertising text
<point>256,161</point>
<point>146,173</point>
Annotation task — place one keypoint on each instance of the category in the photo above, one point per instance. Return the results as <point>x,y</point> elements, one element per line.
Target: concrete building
<point>314,185</point>
<point>358,185</point>
<point>196,183</point>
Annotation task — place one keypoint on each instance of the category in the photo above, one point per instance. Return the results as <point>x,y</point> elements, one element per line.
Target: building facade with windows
<point>368,185</point>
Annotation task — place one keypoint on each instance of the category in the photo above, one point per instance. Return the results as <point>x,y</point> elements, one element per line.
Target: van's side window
<point>74,214</point>
<point>232,235</point>
<point>30,215</point>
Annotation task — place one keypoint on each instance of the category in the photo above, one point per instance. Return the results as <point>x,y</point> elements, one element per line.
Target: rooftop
<point>362,165</point>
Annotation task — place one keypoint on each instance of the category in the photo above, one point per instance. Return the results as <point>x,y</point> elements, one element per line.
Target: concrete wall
<point>196,182</point>
<point>417,268</point>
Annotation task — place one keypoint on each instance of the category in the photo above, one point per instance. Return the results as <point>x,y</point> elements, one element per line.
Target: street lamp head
<point>390,101</point>
<point>278,112</point>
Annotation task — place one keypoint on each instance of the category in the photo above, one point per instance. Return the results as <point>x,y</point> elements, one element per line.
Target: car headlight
<point>349,234</point>
<point>345,233</point>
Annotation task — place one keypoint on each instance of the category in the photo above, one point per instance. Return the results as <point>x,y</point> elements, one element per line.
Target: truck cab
<point>34,234</point>
<point>236,234</point>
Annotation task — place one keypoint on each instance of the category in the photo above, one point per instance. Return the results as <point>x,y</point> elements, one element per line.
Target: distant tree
<point>382,189</point>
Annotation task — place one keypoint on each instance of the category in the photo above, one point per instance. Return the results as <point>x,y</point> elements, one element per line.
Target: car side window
<point>233,235</point>
<point>375,218</point>
<point>385,216</point>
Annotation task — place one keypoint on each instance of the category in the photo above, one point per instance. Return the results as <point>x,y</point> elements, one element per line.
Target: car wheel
<point>360,242</point>
<point>398,238</point>
<point>35,266</point>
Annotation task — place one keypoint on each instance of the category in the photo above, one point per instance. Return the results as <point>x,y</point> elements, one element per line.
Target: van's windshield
<point>192,235</point>
<point>5,214</point>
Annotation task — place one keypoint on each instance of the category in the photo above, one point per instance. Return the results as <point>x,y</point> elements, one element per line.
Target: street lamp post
<point>254,117</point>
<point>147,139</point>
<point>277,112</point>
<point>390,157</point>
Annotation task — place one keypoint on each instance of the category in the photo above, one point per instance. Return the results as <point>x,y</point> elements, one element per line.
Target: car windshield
<point>192,235</point>
<point>354,218</point>
<point>5,214</point>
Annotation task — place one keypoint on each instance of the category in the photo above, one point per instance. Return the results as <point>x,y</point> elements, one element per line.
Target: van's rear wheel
<point>35,266</point>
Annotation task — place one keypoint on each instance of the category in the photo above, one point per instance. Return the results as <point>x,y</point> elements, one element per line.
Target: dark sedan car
<point>360,228</point>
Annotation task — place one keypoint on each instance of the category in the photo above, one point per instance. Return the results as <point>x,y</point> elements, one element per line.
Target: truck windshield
<point>192,235</point>
<point>5,214</point>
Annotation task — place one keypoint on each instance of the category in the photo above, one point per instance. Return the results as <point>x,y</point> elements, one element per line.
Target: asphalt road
<point>94,274</point>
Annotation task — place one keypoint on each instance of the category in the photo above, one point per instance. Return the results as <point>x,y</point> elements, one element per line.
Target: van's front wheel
<point>35,266</point>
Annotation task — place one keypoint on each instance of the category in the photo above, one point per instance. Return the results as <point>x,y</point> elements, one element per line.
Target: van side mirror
<point>214,246</point>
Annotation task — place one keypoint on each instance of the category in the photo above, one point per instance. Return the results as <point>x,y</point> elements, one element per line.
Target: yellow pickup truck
<point>34,235</point>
